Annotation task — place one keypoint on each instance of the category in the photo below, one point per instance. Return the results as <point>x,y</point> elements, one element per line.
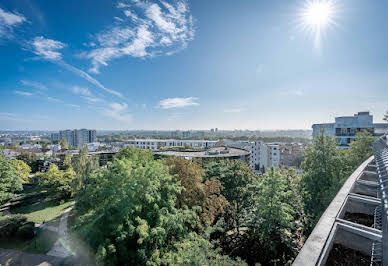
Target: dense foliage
<point>326,167</point>
<point>10,182</point>
<point>60,182</point>
<point>263,215</point>
<point>141,211</point>
<point>31,159</point>
<point>23,170</point>
<point>196,191</point>
<point>16,226</point>
<point>130,215</point>
<point>84,166</point>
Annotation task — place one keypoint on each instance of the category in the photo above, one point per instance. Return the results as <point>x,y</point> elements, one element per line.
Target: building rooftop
<point>212,152</point>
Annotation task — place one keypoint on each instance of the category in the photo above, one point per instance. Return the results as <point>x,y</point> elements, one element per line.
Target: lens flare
<point>316,16</point>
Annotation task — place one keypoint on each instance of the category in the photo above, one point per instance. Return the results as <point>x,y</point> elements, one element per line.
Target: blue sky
<point>188,64</point>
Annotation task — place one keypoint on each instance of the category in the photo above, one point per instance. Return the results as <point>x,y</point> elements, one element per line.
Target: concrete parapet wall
<point>320,241</point>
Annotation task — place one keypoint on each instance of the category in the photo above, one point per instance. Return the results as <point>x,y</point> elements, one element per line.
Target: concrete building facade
<point>157,144</point>
<point>345,128</point>
<point>76,137</point>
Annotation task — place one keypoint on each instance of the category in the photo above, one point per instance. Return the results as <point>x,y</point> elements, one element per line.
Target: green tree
<point>197,250</point>
<point>197,192</point>
<point>84,166</point>
<point>64,144</point>
<point>360,149</point>
<point>58,181</point>
<point>239,182</point>
<point>129,211</point>
<point>23,170</point>
<point>272,222</point>
<point>67,162</point>
<point>31,159</point>
<point>10,182</point>
<point>324,173</point>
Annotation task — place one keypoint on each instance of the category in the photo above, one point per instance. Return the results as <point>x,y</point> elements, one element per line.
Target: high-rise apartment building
<point>76,137</point>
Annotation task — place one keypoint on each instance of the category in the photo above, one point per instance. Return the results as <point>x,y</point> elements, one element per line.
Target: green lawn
<point>48,211</point>
<point>41,243</point>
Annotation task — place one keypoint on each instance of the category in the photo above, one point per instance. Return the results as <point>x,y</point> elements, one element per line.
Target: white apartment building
<point>156,144</point>
<point>262,155</point>
<point>345,128</point>
<point>273,155</point>
<point>259,155</point>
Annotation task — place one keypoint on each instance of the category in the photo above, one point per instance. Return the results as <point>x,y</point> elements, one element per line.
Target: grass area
<point>47,210</point>
<point>41,243</point>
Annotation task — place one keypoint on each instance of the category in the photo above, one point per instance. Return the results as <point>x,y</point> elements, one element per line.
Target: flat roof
<point>212,152</point>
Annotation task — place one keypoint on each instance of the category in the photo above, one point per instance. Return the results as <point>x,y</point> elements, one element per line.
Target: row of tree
<point>174,211</point>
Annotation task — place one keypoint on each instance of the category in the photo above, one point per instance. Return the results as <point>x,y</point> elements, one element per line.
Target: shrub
<point>26,231</point>
<point>9,225</point>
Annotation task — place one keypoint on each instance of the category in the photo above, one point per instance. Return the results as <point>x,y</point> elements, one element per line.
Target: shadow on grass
<point>36,206</point>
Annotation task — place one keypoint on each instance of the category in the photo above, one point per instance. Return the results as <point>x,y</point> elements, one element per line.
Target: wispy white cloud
<point>235,110</point>
<point>92,99</point>
<point>23,93</point>
<point>155,29</point>
<point>81,91</point>
<point>88,78</point>
<point>296,92</point>
<point>47,48</point>
<point>8,21</point>
<point>54,100</point>
<point>178,102</point>
<point>118,111</point>
<point>33,84</point>
<point>73,105</point>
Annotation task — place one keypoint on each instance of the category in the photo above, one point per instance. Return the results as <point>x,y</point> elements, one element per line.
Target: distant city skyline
<point>169,65</point>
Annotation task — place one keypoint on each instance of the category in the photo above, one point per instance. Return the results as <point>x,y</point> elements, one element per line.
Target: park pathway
<point>17,257</point>
<point>58,250</point>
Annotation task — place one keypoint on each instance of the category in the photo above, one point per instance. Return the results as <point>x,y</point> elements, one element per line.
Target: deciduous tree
<point>132,218</point>
<point>23,170</point>
<point>360,149</point>
<point>197,192</point>
<point>58,181</point>
<point>10,181</point>
<point>324,173</point>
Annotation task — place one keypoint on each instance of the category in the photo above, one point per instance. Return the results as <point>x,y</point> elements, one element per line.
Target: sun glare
<point>316,16</point>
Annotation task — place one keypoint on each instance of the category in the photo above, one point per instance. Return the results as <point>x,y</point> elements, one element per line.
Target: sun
<point>316,16</point>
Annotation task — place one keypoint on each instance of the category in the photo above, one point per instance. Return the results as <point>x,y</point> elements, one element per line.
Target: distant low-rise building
<point>291,154</point>
<point>157,144</point>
